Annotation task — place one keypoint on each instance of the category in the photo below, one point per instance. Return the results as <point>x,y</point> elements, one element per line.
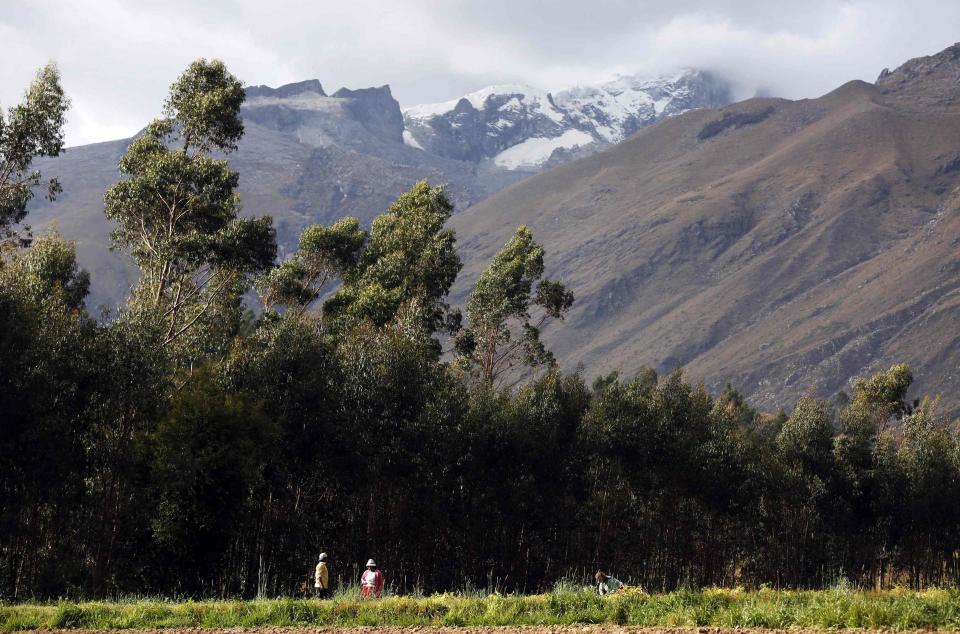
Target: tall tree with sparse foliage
<point>177,209</point>
<point>503,331</point>
<point>30,129</point>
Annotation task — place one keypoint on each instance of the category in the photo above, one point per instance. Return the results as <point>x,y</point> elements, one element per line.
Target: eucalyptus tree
<point>177,208</point>
<point>50,271</point>
<point>177,213</point>
<point>410,257</point>
<point>506,313</point>
<point>30,129</point>
<point>864,474</point>
<point>806,488</point>
<point>929,519</point>
<point>324,255</point>
<point>44,343</point>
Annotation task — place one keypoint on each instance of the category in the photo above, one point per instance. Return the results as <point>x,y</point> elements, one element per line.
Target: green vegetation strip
<point>833,609</point>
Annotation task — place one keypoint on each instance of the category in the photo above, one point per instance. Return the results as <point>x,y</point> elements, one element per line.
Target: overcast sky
<point>118,57</point>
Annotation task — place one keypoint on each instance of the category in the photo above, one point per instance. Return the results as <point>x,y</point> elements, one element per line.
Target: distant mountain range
<point>784,246</point>
<point>520,127</point>
<point>310,157</point>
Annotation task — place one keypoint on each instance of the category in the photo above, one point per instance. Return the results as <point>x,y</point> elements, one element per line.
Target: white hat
<point>323,556</point>
<point>371,562</point>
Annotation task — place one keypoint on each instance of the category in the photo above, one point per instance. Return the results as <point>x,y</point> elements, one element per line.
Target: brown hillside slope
<point>779,245</point>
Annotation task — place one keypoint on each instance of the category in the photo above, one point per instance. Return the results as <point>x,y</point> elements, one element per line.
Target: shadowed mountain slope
<point>783,246</point>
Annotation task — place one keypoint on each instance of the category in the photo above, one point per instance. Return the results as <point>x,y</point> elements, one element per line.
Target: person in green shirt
<point>607,584</point>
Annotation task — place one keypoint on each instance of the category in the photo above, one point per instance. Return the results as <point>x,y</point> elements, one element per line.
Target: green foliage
<point>45,352</point>
<point>51,267</point>
<point>875,400</point>
<point>205,102</point>
<point>209,454</point>
<point>176,209</point>
<point>409,256</point>
<point>30,129</point>
<point>49,271</point>
<point>324,254</point>
<point>806,438</point>
<point>126,395</point>
<point>501,331</point>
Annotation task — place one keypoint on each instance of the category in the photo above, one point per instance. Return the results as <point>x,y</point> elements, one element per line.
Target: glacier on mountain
<point>537,150</point>
<point>519,127</point>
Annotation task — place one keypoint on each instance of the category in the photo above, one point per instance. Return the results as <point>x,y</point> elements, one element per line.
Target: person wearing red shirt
<point>371,581</point>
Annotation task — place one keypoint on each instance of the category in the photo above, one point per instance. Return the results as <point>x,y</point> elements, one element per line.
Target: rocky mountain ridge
<point>522,127</point>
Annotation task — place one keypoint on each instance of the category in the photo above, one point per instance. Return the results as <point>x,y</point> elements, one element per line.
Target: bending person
<point>607,584</point>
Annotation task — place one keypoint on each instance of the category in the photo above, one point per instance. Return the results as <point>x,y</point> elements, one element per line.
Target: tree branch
<point>202,311</point>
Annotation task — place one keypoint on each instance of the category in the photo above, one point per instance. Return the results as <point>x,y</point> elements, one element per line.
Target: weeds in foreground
<point>835,608</point>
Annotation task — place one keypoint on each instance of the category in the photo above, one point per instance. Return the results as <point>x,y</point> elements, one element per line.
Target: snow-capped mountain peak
<point>523,127</point>
<point>478,100</point>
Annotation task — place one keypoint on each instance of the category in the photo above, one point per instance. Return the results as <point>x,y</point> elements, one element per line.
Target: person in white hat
<point>371,581</point>
<point>321,578</point>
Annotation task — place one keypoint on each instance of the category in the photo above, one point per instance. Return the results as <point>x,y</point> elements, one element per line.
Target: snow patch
<point>617,100</point>
<point>429,110</point>
<point>608,133</point>
<point>408,139</point>
<point>479,98</point>
<point>535,151</point>
<point>513,104</point>
<point>536,100</point>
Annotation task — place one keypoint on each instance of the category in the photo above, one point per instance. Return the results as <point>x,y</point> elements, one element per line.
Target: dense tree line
<point>188,446</point>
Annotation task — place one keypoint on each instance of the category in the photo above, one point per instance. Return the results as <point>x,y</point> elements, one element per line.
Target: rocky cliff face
<point>363,119</point>
<point>287,90</point>
<point>931,82</point>
<point>376,110</point>
<point>521,127</point>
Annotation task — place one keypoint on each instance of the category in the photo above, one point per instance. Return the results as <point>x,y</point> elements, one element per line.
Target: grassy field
<point>835,609</point>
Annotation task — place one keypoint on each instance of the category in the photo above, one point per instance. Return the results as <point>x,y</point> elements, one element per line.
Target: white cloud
<point>118,57</point>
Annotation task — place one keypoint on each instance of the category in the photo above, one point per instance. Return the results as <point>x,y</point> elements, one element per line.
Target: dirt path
<point>533,629</point>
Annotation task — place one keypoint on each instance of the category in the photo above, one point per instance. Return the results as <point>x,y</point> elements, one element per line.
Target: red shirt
<point>372,580</point>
